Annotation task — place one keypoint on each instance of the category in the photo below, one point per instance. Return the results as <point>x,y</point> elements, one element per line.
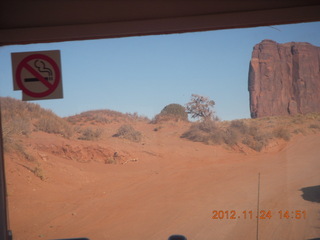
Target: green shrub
<point>128,132</point>
<point>172,112</point>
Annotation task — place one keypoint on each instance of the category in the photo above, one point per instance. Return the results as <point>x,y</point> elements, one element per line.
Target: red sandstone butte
<point>284,79</point>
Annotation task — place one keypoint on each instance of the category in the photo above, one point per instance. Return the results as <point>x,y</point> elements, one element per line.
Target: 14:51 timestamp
<point>263,214</point>
<point>297,214</point>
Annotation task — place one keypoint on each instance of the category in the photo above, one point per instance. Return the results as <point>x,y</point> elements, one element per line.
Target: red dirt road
<point>173,188</point>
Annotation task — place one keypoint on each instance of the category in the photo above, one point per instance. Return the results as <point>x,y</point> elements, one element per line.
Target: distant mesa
<point>284,79</point>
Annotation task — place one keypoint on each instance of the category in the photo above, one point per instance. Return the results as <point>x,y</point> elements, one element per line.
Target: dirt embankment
<point>160,186</point>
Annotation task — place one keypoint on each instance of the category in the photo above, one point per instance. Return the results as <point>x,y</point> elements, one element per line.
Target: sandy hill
<point>108,175</point>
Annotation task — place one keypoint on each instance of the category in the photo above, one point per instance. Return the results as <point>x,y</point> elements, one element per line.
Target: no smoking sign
<point>37,74</point>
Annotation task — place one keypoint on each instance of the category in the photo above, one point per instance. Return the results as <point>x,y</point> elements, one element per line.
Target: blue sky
<point>144,74</point>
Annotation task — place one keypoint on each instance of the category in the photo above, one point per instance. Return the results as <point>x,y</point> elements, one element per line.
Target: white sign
<point>37,74</point>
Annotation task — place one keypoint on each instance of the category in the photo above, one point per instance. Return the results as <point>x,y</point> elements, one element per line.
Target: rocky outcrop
<point>284,79</point>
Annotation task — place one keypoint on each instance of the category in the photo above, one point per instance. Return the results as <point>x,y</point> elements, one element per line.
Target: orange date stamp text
<point>263,214</point>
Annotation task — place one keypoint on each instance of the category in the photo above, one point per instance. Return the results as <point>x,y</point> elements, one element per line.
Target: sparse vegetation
<point>128,132</point>
<point>54,124</point>
<point>104,117</point>
<point>18,148</point>
<point>207,131</point>
<point>299,130</point>
<point>314,126</point>
<point>241,126</point>
<point>21,119</point>
<point>16,127</point>
<point>157,128</point>
<point>282,132</point>
<point>16,120</point>
<point>38,172</point>
<point>91,134</point>
<point>110,160</point>
<point>200,107</point>
<point>255,133</point>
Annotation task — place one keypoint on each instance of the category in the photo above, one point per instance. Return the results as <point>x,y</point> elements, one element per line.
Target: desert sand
<point>166,185</point>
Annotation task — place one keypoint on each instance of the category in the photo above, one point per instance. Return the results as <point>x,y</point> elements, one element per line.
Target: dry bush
<point>164,118</point>
<point>16,126</point>
<point>105,117</point>
<point>281,132</point>
<point>200,107</point>
<point>314,126</point>
<point>299,130</point>
<point>17,147</point>
<point>94,116</point>
<point>231,137</point>
<point>298,119</point>
<point>110,160</point>
<point>22,118</point>
<point>210,132</point>
<point>207,132</point>
<point>256,140</point>
<point>229,133</point>
<point>12,129</point>
<point>128,132</point>
<point>254,144</point>
<point>250,134</point>
<point>16,118</point>
<point>54,124</point>
<point>14,108</point>
<point>255,133</point>
<point>137,118</point>
<point>157,128</point>
<point>90,134</point>
<point>253,136</point>
<point>240,126</point>
<point>16,121</point>
<point>38,172</point>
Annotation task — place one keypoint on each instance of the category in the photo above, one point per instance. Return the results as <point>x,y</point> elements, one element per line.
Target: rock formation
<point>284,79</point>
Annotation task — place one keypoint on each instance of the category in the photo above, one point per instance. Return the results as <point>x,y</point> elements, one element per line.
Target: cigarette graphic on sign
<point>41,66</point>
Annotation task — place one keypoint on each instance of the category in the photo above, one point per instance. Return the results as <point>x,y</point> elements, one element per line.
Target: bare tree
<point>200,107</point>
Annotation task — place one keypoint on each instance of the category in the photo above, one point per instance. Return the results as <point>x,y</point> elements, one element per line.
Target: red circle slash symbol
<point>25,64</point>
